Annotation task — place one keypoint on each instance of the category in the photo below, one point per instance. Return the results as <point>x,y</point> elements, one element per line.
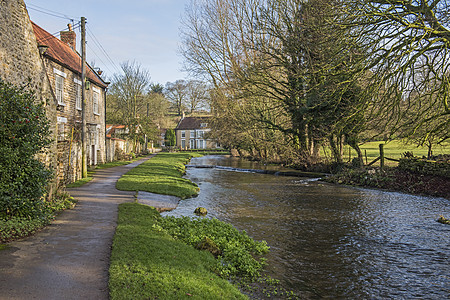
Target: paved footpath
<point>70,258</point>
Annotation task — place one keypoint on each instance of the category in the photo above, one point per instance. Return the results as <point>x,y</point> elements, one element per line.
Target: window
<point>59,85</point>
<point>77,93</point>
<point>93,131</point>
<point>192,144</point>
<point>59,89</point>
<point>201,144</point>
<point>202,125</point>
<point>61,133</point>
<point>95,100</point>
<point>200,134</point>
<point>183,144</point>
<point>183,134</point>
<point>61,128</point>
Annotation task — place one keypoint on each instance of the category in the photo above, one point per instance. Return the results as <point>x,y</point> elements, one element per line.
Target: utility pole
<point>83,98</point>
<point>146,122</point>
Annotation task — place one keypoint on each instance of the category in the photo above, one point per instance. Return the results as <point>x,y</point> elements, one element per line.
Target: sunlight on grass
<point>81,182</point>
<point>393,149</point>
<point>161,174</point>
<point>147,263</point>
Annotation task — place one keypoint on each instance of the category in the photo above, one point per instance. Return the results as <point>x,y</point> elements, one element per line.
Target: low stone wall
<point>425,167</point>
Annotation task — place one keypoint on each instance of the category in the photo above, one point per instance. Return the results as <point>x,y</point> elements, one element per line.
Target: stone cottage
<point>21,64</point>
<point>63,68</point>
<point>191,133</point>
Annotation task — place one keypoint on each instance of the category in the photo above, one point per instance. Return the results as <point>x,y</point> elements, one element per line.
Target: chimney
<point>69,37</point>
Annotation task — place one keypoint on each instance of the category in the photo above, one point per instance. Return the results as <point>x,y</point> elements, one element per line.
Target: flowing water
<point>330,241</point>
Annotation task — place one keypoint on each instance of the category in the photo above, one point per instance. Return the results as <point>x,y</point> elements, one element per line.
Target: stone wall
<point>21,63</point>
<point>69,124</point>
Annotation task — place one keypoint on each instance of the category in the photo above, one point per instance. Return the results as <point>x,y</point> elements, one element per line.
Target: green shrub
<point>24,132</point>
<point>238,251</point>
<point>16,228</point>
<point>426,167</point>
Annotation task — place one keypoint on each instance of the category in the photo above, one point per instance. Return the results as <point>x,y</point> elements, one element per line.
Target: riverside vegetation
<point>156,257</point>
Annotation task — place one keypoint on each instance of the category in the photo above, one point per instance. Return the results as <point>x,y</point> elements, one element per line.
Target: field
<point>393,149</point>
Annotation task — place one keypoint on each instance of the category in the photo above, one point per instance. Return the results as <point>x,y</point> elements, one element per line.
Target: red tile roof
<point>61,53</point>
<point>192,123</point>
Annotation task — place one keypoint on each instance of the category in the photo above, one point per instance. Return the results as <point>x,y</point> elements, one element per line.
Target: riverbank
<point>147,263</point>
<point>157,257</point>
<point>394,179</point>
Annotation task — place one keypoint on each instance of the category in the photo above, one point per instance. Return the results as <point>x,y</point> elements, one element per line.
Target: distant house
<point>63,66</point>
<point>118,137</point>
<point>191,133</point>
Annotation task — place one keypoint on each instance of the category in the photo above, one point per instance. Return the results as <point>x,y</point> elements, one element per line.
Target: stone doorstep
<point>160,202</point>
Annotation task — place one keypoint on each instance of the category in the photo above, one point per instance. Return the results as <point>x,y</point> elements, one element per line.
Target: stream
<point>326,240</point>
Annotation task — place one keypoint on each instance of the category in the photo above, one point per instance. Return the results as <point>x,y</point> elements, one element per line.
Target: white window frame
<point>59,85</point>
<point>183,134</point>
<point>95,102</point>
<point>61,128</point>
<point>77,93</point>
<point>192,143</point>
<point>183,144</point>
<point>201,144</point>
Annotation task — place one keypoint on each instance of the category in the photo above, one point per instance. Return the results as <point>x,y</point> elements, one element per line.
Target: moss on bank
<point>147,263</point>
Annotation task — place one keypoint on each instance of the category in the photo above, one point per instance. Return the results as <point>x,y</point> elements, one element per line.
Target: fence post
<point>365,154</point>
<point>381,156</point>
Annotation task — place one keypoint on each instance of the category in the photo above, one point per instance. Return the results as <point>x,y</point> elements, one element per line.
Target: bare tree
<point>197,95</point>
<point>177,94</point>
<point>128,97</point>
<point>408,43</point>
<point>128,91</point>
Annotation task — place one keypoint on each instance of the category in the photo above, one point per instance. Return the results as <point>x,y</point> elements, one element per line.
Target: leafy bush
<point>239,251</point>
<point>24,132</point>
<point>18,227</point>
<point>427,167</point>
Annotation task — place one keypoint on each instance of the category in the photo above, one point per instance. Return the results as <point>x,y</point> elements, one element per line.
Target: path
<point>70,258</point>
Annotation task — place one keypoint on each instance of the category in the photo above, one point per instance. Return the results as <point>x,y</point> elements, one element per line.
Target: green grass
<point>393,149</point>
<point>81,182</point>
<point>161,174</point>
<point>146,263</point>
<point>113,164</point>
<point>117,163</point>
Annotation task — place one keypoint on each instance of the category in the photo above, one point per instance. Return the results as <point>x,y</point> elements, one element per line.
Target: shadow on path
<point>70,258</point>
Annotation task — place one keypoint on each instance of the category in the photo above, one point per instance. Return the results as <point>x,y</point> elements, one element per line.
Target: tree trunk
<point>337,154</point>
<point>354,144</point>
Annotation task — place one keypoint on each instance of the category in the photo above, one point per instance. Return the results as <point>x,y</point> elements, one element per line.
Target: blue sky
<point>146,31</point>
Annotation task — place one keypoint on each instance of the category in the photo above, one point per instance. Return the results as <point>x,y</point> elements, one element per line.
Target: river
<point>330,241</point>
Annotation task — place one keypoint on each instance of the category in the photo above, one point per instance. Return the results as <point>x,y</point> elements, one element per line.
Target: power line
<point>90,33</point>
<point>99,58</point>
<point>99,45</point>
<point>54,35</point>
<point>50,12</point>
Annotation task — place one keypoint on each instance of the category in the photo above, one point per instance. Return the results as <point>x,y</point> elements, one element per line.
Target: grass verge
<point>117,163</point>
<point>113,164</point>
<point>82,181</point>
<point>161,175</point>
<point>147,263</point>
